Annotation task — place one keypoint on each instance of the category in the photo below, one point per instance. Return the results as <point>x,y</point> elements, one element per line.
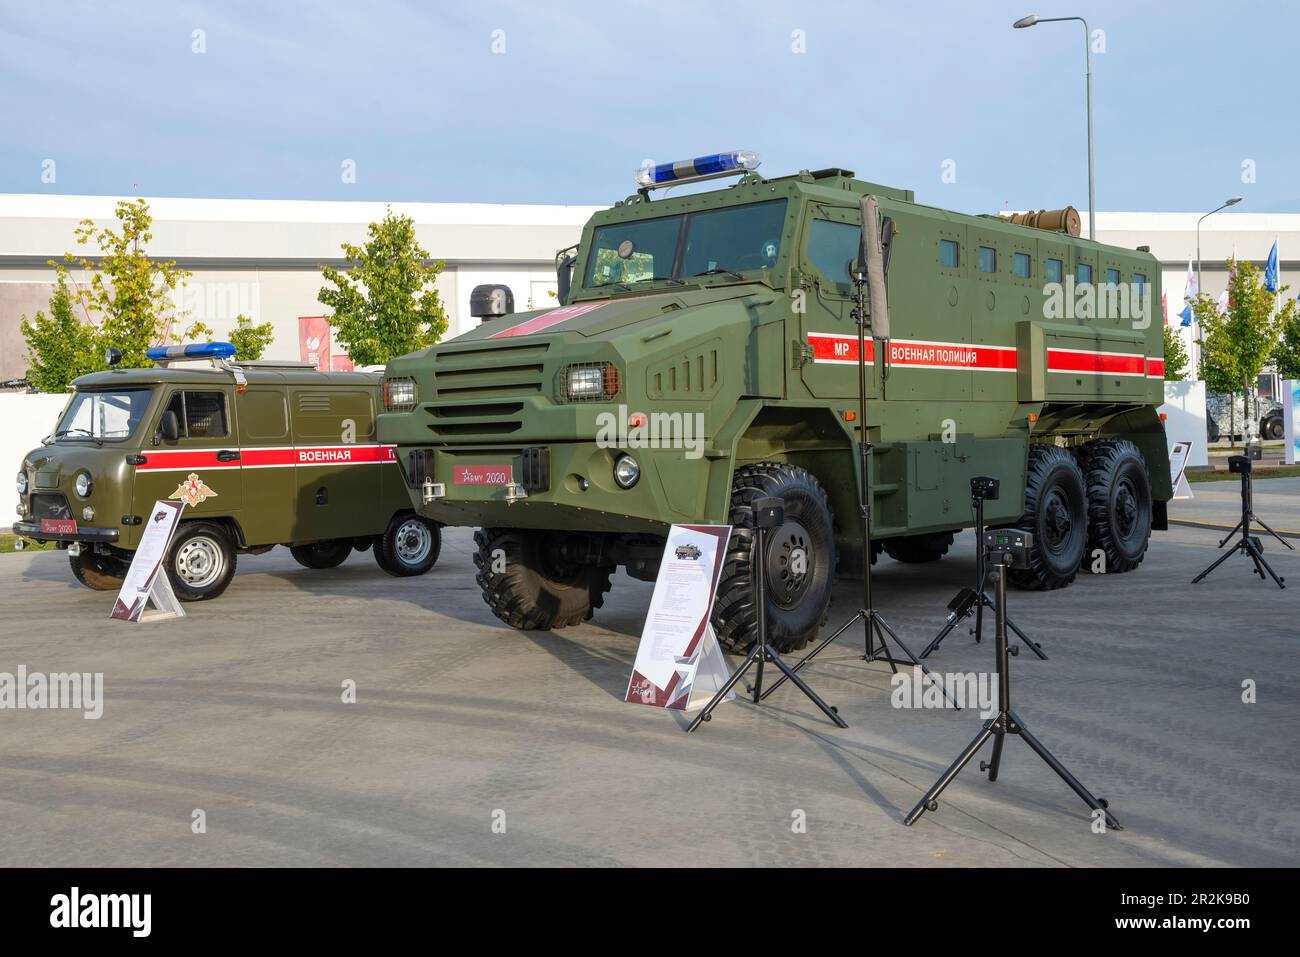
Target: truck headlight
<point>588,381</point>
<point>626,471</point>
<point>21,482</point>
<point>399,394</point>
<point>83,484</point>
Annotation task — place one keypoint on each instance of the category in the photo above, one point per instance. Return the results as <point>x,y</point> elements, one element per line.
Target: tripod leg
<point>953,621</point>
<point>931,797</point>
<point>979,617</point>
<point>1018,727</point>
<point>1260,522</point>
<point>1236,528</point>
<point>884,628</point>
<point>812,695</point>
<point>873,629</point>
<point>1218,561</point>
<point>809,656</point>
<point>999,739</point>
<point>758,678</point>
<point>721,696</point>
<point>1258,556</point>
<point>1032,645</point>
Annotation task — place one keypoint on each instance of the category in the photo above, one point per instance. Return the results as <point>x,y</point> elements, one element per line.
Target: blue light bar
<point>199,350</point>
<point>692,170</point>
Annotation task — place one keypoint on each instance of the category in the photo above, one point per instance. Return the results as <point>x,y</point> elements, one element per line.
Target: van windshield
<point>103,416</point>
<point>730,239</point>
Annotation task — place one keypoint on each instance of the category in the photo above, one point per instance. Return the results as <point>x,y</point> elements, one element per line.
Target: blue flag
<point>1186,315</point>
<point>1270,270</point>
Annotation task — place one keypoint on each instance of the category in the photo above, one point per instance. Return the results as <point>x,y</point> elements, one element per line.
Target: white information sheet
<point>677,638</point>
<point>145,580</point>
<point>1178,458</point>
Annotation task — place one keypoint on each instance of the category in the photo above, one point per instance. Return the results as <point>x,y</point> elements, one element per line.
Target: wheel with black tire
<point>318,555</point>
<point>916,549</point>
<point>98,571</point>
<point>1056,516</point>
<point>201,561</point>
<point>1119,503</point>
<point>800,561</point>
<point>409,546</point>
<point>530,583</point>
<point>1272,428</point>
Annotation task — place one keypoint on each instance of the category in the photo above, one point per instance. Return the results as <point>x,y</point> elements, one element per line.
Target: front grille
<point>469,384</point>
<point>48,505</point>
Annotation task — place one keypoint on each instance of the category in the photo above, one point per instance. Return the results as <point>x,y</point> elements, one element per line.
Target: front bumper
<point>93,536</point>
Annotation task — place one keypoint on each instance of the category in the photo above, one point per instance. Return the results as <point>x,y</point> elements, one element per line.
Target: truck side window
<point>831,246</point>
<point>1021,266</point>
<point>202,415</point>
<point>988,259</point>
<point>1082,273</point>
<point>948,255</point>
<point>1112,277</point>
<point>1053,270</point>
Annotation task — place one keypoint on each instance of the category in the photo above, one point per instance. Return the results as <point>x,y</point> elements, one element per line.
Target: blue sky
<point>414,94</point>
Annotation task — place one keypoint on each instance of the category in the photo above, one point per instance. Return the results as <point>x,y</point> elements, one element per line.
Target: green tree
<point>1175,356</point>
<point>125,302</point>
<point>60,346</point>
<point>385,304</point>
<point>250,341</point>
<point>1287,354</point>
<point>1240,340</point>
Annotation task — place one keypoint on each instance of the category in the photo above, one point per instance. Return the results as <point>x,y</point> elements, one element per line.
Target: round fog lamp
<point>626,471</point>
<point>21,483</point>
<point>84,484</point>
<point>88,514</point>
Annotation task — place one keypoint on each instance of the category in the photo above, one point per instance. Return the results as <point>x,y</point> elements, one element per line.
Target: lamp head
<point>1233,201</point>
<point>1023,22</point>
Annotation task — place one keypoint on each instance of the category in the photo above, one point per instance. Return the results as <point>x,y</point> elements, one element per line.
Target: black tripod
<point>769,513</point>
<point>1006,544</point>
<point>975,600</point>
<point>876,631</point>
<point>1248,544</point>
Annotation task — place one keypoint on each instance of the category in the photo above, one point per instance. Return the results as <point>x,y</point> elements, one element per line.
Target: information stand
<point>678,662</point>
<point>1178,457</point>
<point>146,582</point>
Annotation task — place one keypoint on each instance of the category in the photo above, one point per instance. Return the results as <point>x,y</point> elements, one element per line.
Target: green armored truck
<point>704,353</point>
<point>261,453</point>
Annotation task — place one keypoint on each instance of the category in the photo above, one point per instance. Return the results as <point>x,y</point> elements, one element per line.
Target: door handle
<point>225,455</point>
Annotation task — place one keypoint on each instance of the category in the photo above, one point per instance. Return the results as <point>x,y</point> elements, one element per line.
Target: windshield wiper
<point>63,432</point>
<point>675,282</point>
<point>721,272</point>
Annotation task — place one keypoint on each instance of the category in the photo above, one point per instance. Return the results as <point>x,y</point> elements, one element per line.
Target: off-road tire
<point>534,591</point>
<point>409,546</point>
<point>1056,515</point>
<point>1119,503</point>
<point>319,555</point>
<point>193,539</point>
<point>98,571</point>
<point>916,549</point>
<point>1273,428</point>
<point>797,605</point>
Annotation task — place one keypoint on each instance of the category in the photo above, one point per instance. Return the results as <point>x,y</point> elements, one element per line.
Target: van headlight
<point>399,394</point>
<point>83,484</point>
<point>626,471</point>
<point>587,381</point>
<point>21,482</point>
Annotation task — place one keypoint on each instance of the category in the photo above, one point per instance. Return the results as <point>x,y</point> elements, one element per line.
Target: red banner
<point>314,341</point>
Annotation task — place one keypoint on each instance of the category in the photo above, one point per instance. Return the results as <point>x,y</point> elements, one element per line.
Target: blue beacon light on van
<point>734,162</point>
<point>200,350</point>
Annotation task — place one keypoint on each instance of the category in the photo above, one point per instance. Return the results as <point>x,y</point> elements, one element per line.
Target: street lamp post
<point>1032,20</point>
<point>1233,201</point>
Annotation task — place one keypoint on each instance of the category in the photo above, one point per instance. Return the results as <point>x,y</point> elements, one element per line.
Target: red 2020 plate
<point>482,475</point>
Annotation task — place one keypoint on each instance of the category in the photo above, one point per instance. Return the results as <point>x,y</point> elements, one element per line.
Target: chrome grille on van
<point>479,391</point>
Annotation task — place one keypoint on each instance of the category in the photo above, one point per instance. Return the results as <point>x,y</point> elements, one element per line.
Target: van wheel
<point>201,561</point>
<point>409,546</point>
<point>530,584</point>
<point>915,549</point>
<point>1056,515</point>
<point>1119,502</point>
<point>797,600</point>
<point>100,572</point>
<point>327,554</point>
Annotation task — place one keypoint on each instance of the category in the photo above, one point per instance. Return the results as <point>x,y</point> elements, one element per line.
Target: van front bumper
<point>93,536</point>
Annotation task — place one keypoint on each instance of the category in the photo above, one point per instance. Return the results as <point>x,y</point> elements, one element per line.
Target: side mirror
<point>169,428</point>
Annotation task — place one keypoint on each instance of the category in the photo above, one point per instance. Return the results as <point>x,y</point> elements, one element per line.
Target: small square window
<point>988,259</point>
<point>1112,277</point>
<point>1082,273</point>
<point>948,257</point>
<point>1022,266</point>
<point>1139,279</point>
<point>1053,270</point>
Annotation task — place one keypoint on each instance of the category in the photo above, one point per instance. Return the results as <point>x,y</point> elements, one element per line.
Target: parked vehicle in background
<point>261,453</point>
<point>1224,411</point>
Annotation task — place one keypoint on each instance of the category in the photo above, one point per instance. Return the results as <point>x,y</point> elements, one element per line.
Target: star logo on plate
<point>193,491</point>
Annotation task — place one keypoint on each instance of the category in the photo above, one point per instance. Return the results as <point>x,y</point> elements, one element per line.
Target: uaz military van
<point>261,453</point>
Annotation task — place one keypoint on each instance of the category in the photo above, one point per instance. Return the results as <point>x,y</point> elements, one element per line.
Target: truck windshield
<point>732,239</point>
<point>103,415</point>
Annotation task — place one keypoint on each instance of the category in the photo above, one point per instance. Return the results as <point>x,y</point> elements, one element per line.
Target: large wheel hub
<point>1058,521</point>
<point>1126,508</point>
<point>413,542</point>
<point>790,564</point>
<point>199,562</point>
